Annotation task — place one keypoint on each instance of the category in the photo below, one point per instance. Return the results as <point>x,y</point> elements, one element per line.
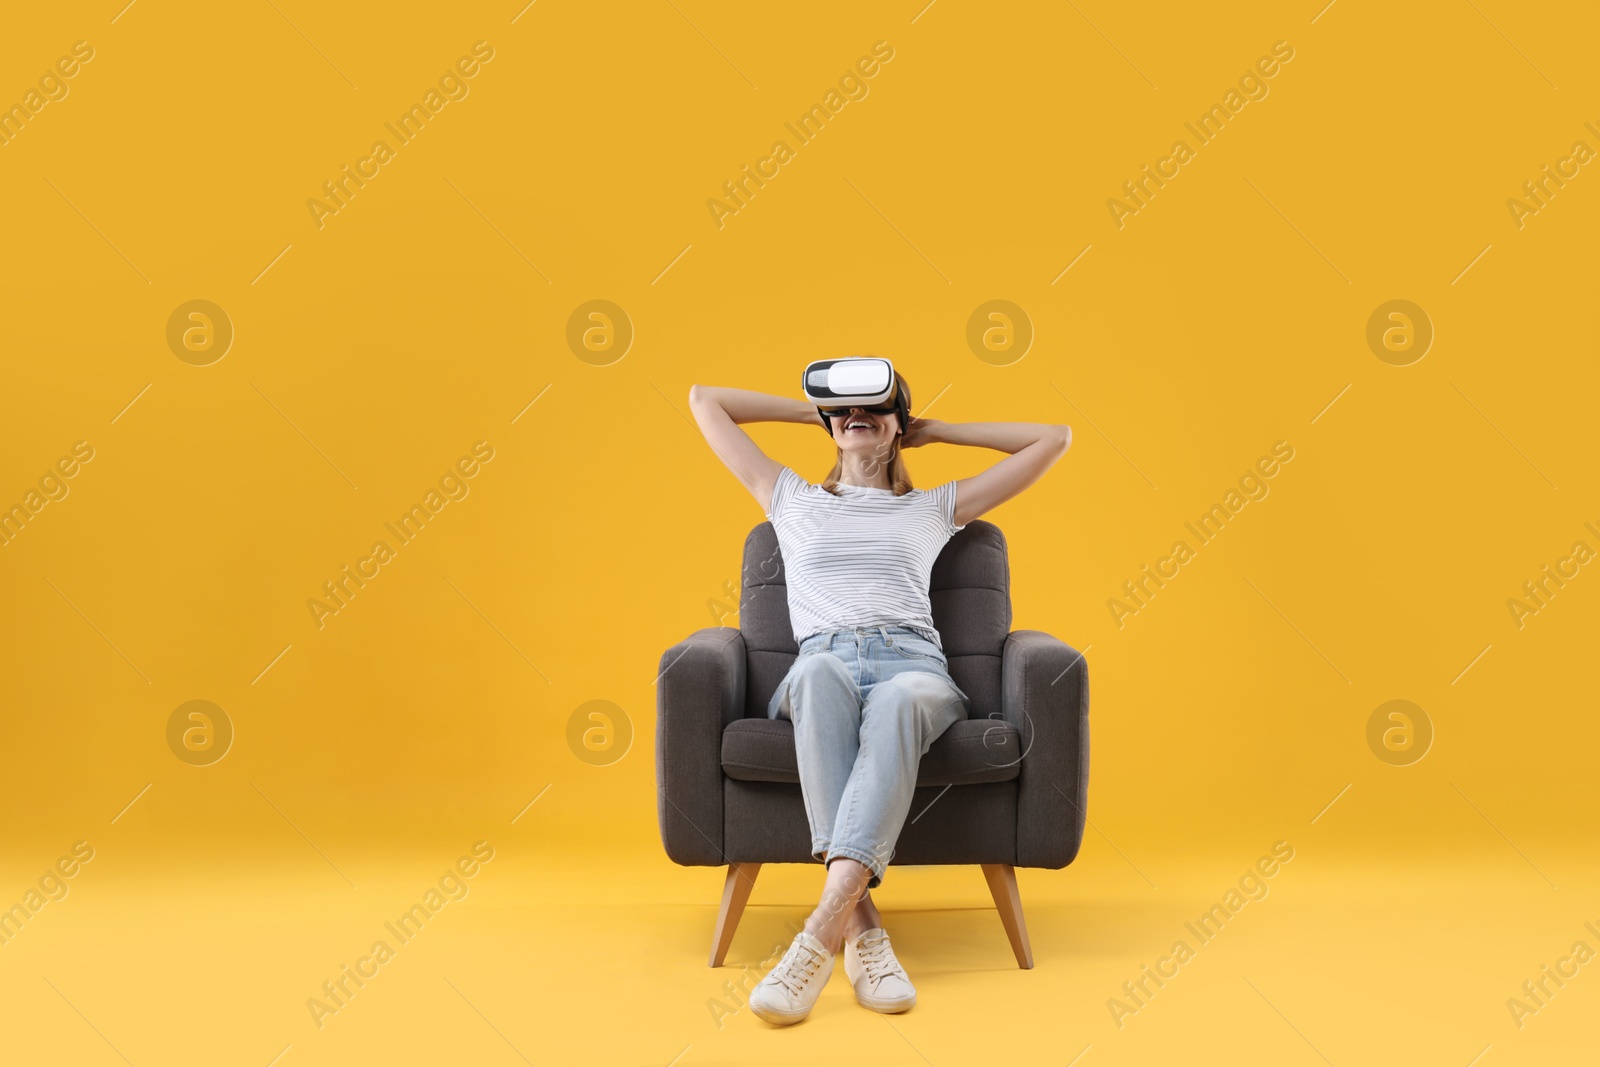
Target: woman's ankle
<point>859,925</point>
<point>832,938</point>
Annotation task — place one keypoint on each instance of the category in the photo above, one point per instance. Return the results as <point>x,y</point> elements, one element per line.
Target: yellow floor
<point>601,958</point>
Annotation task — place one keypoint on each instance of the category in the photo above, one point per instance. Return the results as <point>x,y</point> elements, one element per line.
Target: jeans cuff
<point>864,858</point>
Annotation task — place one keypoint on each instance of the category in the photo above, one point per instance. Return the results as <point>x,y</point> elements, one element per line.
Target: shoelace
<point>877,958</point>
<point>798,965</point>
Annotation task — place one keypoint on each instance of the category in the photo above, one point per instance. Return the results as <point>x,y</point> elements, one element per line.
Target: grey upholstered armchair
<point>1016,771</point>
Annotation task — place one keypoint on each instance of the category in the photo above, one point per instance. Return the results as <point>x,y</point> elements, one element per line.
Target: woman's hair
<point>899,477</point>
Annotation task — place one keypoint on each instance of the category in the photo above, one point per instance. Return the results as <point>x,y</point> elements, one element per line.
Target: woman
<point>870,689</point>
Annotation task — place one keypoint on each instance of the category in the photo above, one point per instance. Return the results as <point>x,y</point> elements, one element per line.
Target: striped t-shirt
<point>862,558</point>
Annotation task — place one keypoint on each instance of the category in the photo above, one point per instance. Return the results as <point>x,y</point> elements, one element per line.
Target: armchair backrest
<point>969,590</point>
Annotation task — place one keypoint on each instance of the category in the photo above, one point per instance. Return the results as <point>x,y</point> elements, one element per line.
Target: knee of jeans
<point>933,700</point>
<point>920,687</point>
<point>819,667</point>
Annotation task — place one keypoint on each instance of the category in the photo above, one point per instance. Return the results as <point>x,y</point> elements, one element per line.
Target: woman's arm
<point>1034,448</point>
<point>719,410</point>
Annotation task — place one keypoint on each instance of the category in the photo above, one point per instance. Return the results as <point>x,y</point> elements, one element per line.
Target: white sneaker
<point>880,982</point>
<point>788,992</point>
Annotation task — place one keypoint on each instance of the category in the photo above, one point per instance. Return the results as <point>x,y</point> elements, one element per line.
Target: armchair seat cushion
<point>969,752</point>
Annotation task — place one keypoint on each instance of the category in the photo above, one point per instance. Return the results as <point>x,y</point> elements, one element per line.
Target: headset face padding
<point>899,409</point>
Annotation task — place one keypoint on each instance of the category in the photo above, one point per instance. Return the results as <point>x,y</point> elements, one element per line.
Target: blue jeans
<point>866,704</point>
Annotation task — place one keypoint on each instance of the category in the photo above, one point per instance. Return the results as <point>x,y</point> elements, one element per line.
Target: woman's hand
<point>921,432</point>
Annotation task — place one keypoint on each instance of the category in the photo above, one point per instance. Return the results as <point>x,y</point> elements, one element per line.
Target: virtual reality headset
<point>837,385</point>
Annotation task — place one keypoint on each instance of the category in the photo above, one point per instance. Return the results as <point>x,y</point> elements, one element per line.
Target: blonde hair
<point>899,476</point>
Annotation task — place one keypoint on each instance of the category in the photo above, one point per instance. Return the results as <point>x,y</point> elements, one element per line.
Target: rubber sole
<point>886,1007</point>
<point>778,1018</point>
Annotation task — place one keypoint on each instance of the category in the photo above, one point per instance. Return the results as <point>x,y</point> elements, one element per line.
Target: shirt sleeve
<point>783,489</point>
<point>945,496</point>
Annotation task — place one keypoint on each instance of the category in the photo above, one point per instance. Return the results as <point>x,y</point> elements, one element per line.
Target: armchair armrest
<point>1044,693</point>
<point>699,691</point>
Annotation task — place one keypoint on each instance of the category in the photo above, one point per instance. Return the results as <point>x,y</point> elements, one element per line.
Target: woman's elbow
<point>1062,436</point>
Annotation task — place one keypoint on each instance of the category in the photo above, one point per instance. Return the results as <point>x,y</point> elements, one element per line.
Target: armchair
<point>1005,788</point>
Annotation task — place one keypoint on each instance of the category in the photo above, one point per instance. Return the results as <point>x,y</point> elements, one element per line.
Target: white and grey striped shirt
<point>862,558</point>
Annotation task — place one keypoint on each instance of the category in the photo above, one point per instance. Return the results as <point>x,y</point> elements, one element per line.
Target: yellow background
<point>432,309</point>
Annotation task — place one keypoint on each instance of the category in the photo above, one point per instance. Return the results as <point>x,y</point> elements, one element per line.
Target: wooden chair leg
<point>735,891</point>
<point>1002,879</point>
